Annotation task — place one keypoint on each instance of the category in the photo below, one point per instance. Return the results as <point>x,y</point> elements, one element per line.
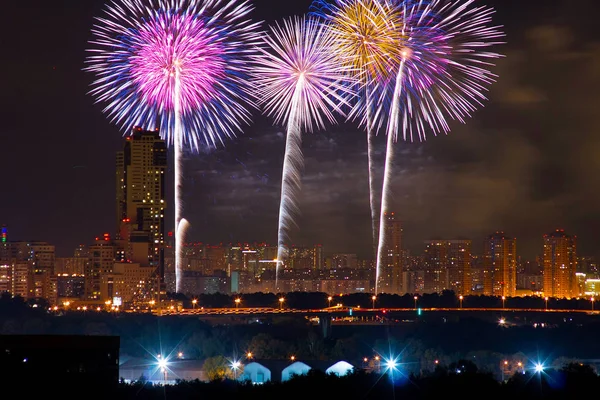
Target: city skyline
<point>525,165</point>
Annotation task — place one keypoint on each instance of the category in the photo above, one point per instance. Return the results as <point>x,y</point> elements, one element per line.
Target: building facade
<point>140,200</point>
<point>391,265</point>
<point>500,265</point>
<point>560,265</point>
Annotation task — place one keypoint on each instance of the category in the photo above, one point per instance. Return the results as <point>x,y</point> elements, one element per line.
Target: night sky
<point>526,164</point>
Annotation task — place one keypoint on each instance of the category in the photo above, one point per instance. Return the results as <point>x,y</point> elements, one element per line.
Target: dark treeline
<point>420,342</point>
<point>461,380</point>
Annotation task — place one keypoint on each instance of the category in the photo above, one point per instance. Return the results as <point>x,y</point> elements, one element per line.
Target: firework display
<point>302,84</point>
<point>441,74</point>
<point>177,65</point>
<point>366,35</point>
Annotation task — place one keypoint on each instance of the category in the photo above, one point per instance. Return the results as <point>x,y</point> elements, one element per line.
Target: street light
<point>503,300</point>
<point>374,298</point>
<point>460,299</point>
<point>281,300</point>
<point>162,365</point>
<point>235,365</point>
<point>237,302</point>
<point>546,298</point>
<point>194,302</point>
<point>593,303</point>
<point>539,368</point>
<point>329,300</point>
<point>293,358</point>
<point>416,298</point>
<point>249,355</point>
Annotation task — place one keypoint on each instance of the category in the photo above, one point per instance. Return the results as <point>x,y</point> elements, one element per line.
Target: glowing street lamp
<point>546,299</point>
<point>416,298</point>
<point>593,303</point>
<point>162,365</point>
<point>329,300</point>
<point>281,300</point>
<point>237,302</point>
<point>460,299</point>
<point>391,364</point>
<point>539,368</point>
<point>374,298</point>
<point>377,363</point>
<point>194,302</point>
<point>235,366</point>
<point>293,358</point>
<point>503,301</point>
<point>249,355</point>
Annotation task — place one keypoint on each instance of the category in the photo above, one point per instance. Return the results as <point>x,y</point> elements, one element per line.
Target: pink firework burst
<point>172,45</point>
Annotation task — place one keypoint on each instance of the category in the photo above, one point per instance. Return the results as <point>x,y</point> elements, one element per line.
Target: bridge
<point>358,311</point>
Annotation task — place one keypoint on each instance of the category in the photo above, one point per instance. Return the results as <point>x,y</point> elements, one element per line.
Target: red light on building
<point>170,234</point>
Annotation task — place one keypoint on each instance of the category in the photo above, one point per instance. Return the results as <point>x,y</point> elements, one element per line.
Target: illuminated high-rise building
<point>500,265</point>
<point>141,203</point>
<point>459,266</point>
<point>99,268</point>
<point>391,266</point>
<point>40,258</point>
<point>560,264</point>
<point>435,261</point>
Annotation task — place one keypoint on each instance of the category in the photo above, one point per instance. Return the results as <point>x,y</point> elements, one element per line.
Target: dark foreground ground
<point>458,381</point>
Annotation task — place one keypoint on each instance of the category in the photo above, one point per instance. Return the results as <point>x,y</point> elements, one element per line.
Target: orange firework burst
<point>368,34</point>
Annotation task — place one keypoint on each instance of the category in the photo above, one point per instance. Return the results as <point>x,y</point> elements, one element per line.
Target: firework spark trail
<point>291,178</point>
<point>387,175</point>
<point>372,169</point>
<point>177,145</point>
<point>367,33</point>
<point>444,72</point>
<point>301,84</point>
<point>178,65</point>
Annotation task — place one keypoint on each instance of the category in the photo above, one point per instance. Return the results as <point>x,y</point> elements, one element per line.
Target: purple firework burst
<point>157,61</point>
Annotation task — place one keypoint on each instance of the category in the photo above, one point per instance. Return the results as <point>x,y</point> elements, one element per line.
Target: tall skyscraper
<point>500,265</point>
<point>459,266</point>
<point>391,268</point>
<point>435,261</point>
<point>560,264</point>
<point>140,199</point>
